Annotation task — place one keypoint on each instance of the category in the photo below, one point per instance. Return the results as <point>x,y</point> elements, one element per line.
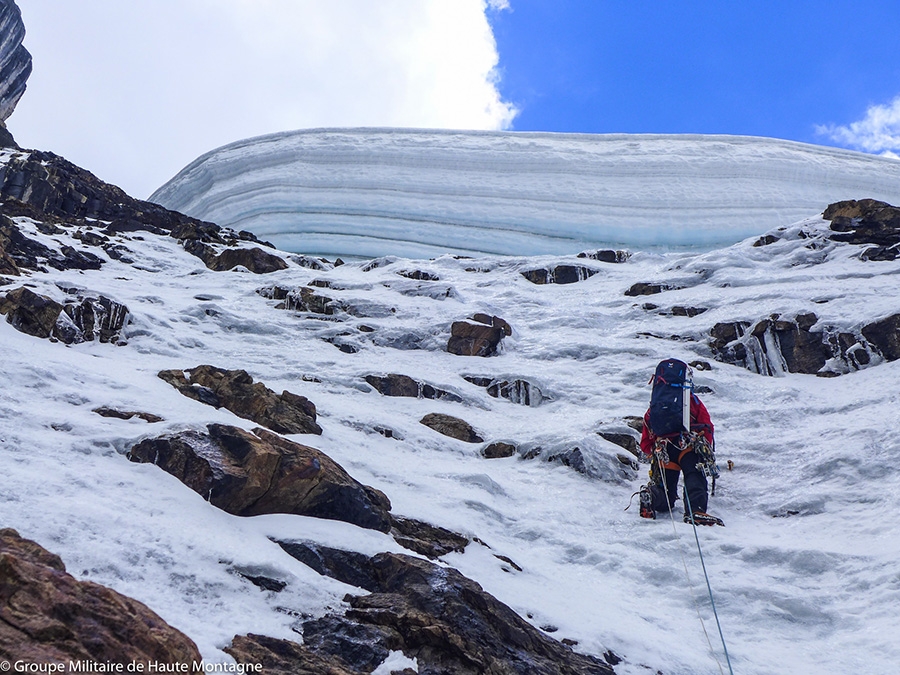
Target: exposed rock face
<point>30,313</point>
<point>606,255</point>
<point>49,187</point>
<point>626,441</point>
<point>477,339</point>
<point>428,540</point>
<point>403,385</point>
<point>249,474</point>
<point>867,221</point>
<point>644,288</point>
<point>301,299</point>
<point>115,413</point>
<point>46,615</point>
<point>522,392</point>
<point>90,319</point>
<point>884,335</point>
<point>451,426</point>
<point>283,657</point>
<point>434,614</point>
<point>236,391</point>
<point>15,61</point>
<point>18,252</point>
<point>559,274</point>
<point>777,345</point>
<point>253,259</point>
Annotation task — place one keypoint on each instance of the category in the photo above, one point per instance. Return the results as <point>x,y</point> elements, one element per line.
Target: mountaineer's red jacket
<point>700,421</point>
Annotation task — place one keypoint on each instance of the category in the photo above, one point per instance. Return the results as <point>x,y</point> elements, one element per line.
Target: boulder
<point>249,474</point>
<point>437,616</point>
<point>498,450</point>
<point>403,385</point>
<point>451,426</point>
<point>559,274</point>
<point>522,392</point>
<point>47,616</point>
<point>254,259</point>
<point>236,391</point>
<point>30,313</point>
<point>477,339</point>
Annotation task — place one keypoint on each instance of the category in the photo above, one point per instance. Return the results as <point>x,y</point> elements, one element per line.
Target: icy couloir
<point>417,193</point>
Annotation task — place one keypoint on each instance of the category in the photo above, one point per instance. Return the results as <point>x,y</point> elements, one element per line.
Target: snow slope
<point>371,192</point>
<point>805,574</point>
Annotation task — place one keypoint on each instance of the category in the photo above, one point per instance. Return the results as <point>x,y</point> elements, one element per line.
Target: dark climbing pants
<point>695,486</point>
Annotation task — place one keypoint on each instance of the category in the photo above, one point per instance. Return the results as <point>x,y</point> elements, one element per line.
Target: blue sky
<point>762,68</point>
<point>134,91</point>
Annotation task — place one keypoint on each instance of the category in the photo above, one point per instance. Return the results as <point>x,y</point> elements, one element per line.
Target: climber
<point>678,437</point>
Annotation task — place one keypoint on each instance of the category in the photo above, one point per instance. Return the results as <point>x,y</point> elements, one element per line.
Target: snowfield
<point>424,193</point>
<point>804,575</point>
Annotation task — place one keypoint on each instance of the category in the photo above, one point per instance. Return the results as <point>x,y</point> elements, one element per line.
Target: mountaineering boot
<point>647,503</point>
<point>701,518</point>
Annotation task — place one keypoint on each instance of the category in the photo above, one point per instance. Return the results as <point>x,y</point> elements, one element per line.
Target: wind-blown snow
<point>817,591</point>
<point>372,192</point>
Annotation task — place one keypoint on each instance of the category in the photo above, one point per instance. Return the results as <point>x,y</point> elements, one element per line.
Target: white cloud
<point>877,132</point>
<point>135,90</point>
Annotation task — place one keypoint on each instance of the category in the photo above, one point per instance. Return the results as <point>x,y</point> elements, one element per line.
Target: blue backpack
<point>671,383</point>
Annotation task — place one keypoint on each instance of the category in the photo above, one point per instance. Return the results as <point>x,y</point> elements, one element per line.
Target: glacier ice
<point>423,193</point>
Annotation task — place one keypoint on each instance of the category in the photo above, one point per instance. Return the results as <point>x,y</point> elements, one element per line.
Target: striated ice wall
<point>15,61</point>
<point>421,193</point>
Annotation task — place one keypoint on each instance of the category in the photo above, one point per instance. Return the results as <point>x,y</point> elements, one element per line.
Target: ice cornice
<point>517,193</point>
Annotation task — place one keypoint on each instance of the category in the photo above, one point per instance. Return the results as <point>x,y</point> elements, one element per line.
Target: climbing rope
<point>687,574</point>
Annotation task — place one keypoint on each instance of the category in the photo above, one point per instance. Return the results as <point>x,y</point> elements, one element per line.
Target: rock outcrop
<point>47,616</point>
<point>801,345</point>
<point>426,539</point>
<point>559,274</point>
<point>433,614</point>
<point>866,221</point>
<point>84,320</point>
<point>302,299</point>
<point>50,188</point>
<point>249,474</point>
<point>284,657</point>
<point>395,384</point>
<point>454,427</point>
<point>522,392</point>
<point>481,338</point>
<point>236,391</point>
<point>606,255</point>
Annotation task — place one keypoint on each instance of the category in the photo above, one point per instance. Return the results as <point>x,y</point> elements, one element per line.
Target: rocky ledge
<point>47,616</point>
<point>431,613</point>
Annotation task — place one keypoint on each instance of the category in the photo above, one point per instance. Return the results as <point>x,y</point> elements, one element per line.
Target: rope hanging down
<point>691,584</point>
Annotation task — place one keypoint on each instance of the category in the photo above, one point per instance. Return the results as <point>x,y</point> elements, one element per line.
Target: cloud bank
<point>133,91</point>
<point>877,132</point>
